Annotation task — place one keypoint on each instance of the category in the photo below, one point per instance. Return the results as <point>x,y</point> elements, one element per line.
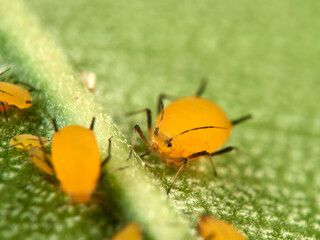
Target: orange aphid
<point>27,141</point>
<point>13,96</point>
<point>76,161</point>
<point>187,129</point>
<point>131,231</point>
<point>213,229</point>
<point>185,114</point>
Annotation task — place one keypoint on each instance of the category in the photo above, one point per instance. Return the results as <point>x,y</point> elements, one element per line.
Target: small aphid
<point>131,231</point>
<point>27,141</point>
<point>213,229</point>
<point>76,161</point>
<point>187,129</point>
<point>14,96</point>
<point>41,159</point>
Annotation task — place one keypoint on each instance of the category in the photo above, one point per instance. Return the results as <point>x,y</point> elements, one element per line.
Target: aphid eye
<point>170,144</point>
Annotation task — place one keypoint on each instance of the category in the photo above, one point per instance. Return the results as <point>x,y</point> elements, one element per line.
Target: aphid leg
<point>212,165</point>
<point>4,110</point>
<point>242,119</point>
<point>102,174</point>
<point>149,118</point>
<point>92,123</point>
<point>109,154</point>
<point>161,98</point>
<point>223,150</point>
<point>185,161</point>
<point>202,87</point>
<point>23,113</point>
<point>156,129</point>
<point>55,125</point>
<point>31,88</point>
<point>5,71</point>
<point>208,155</point>
<point>147,153</point>
<point>45,156</point>
<point>143,137</point>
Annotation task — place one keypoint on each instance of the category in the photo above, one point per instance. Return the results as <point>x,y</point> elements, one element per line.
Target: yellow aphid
<point>131,231</point>
<point>27,141</point>
<point>41,159</point>
<point>186,130</point>
<point>14,96</point>
<point>76,161</point>
<point>211,124</point>
<point>213,229</point>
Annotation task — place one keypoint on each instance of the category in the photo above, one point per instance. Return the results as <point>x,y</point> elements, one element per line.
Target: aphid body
<point>187,129</point>
<point>211,129</point>
<point>76,161</point>
<point>12,95</point>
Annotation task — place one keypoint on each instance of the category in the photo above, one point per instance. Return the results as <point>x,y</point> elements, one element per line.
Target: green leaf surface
<point>259,57</point>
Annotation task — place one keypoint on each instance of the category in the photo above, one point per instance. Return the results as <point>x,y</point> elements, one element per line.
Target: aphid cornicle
<point>187,129</point>
<point>14,96</point>
<point>76,161</point>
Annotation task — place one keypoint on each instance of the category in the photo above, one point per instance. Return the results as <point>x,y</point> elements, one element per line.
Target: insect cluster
<point>185,130</point>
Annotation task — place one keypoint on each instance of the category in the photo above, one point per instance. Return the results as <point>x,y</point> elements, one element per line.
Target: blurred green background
<point>260,57</point>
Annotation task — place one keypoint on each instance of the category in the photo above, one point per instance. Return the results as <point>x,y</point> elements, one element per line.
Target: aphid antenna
<point>202,87</point>
<point>149,118</point>
<point>156,130</point>
<point>193,129</point>
<point>31,88</point>
<point>92,123</point>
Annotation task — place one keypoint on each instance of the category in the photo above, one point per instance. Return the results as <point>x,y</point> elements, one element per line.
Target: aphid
<point>14,96</point>
<point>76,160</point>
<point>131,231</point>
<point>213,229</point>
<point>27,141</point>
<point>41,159</point>
<point>187,129</point>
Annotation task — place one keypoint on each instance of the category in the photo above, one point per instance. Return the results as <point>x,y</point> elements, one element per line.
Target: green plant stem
<point>24,44</point>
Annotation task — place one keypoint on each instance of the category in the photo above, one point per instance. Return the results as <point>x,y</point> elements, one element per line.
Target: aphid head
<point>160,142</point>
